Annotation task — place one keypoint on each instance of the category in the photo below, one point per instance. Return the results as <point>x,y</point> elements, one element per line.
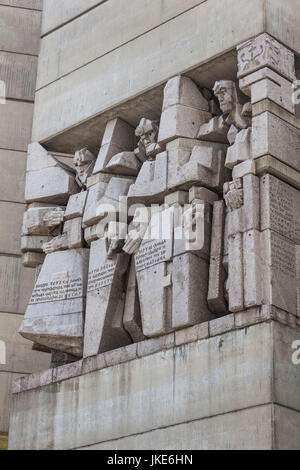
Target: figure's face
<point>225,97</point>
<point>81,163</point>
<point>149,137</point>
<point>147,131</point>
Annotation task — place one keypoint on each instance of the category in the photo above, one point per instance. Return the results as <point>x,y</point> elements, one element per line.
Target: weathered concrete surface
<point>209,380</point>
<point>6,380</point>
<point>21,30</point>
<point>12,214</point>
<point>151,58</point>
<point>248,429</point>
<point>31,4</point>
<point>20,358</point>
<point>57,13</point>
<point>15,125</point>
<point>81,41</point>
<point>18,71</point>
<point>193,32</point>
<point>16,284</point>
<point>13,167</point>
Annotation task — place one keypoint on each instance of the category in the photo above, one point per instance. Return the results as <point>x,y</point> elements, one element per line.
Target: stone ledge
<point>200,332</point>
<point>268,105</point>
<point>269,164</point>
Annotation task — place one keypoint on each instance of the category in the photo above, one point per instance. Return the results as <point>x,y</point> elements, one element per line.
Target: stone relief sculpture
<point>111,268</point>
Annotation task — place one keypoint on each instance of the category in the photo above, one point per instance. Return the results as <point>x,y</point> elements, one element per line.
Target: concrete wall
<point>19,46</point>
<point>88,66</point>
<point>237,390</point>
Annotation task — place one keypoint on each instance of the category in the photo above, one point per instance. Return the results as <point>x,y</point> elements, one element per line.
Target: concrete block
<point>266,84</point>
<point>95,194</point>
<point>36,380</point>
<point>195,163</point>
<point>202,194</point>
<point>182,90</point>
<point>217,274</point>
<point>285,371</point>
<point>269,164</point>
<point>189,296</point>
<point>154,313</point>
<point>151,183</point>
<point>6,379</point>
<point>16,123</point>
<point>105,197</point>
<point>279,271</point>
<point>181,121</point>
<point>268,52</point>
<point>153,345</point>
<point>245,429</point>
<point>118,137</point>
<point>242,365</point>
<point>48,180</point>
<point>280,207</point>
<point>252,316</point>
<point>178,197</point>
<point>218,326</point>
<point>93,363</point>
<point>132,313</point>
<point>273,136</point>
<point>80,41</point>
<point>11,223</point>
<point>22,30</point>
<point>34,220</point>
<point>73,232</point>
<point>16,284</point>
<point>271,107</point>
<point>32,259</point>
<point>241,150</point>
<point>191,334</point>
<point>120,355</point>
<point>19,355</point>
<point>92,81</point>
<point>18,72</point>
<point>298,279</point>
<point>67,371</point>
<point>235,273</point>
<point>54,316</point>
<point>253,279</point>
<point>93,233</point>
<point>56,14</point>
<point>76,205</point>
<point>104,329</point>
<point>33,243</point>
<point>243,200</point>
<point>215,130</point>
<point>242,169</point>
<point>31,4</point>
<point>13,166</point>
<point>287,428</point>
<point>124,163</point>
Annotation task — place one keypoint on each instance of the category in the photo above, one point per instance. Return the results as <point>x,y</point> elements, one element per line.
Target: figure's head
<point>147,130</point>
<point>83,159</point>
<point>226,92</point>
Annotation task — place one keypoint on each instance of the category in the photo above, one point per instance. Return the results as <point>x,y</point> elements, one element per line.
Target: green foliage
<point>3,441</point>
